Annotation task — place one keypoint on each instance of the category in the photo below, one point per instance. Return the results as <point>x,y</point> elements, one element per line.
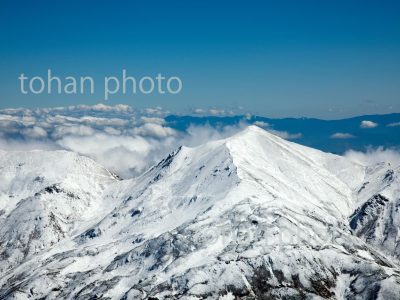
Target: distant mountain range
<point>252,216</point>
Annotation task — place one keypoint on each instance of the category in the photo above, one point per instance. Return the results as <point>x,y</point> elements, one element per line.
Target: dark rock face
<point>377,223</point>
<point>92,233</point>
<point>364,219</point>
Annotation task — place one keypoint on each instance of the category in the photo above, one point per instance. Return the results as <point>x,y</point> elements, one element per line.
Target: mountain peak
<point>254,214</point>
<point>254,130</point>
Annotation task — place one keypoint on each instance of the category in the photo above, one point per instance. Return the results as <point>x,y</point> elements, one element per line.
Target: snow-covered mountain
<point>252,216</point>
<point>46,197</point>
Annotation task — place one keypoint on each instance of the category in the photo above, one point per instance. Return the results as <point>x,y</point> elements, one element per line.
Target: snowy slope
<point>252,216</point>
<point>44,198</point>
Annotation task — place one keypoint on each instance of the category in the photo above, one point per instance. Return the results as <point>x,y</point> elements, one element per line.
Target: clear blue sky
<point>277,58</point>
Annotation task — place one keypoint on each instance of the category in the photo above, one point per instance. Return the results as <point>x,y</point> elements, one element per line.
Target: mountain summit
<point>252,217</point>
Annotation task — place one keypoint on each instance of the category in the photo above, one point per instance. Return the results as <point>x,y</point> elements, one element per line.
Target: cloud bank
<point>124,140</point>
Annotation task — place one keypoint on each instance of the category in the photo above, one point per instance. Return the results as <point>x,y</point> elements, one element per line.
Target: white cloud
<point>213,112</point>
<point>79,130</point>
<point>121,108</point>
<point>199,111</point>
<point>122,154</point>
<point>28,120</point>
<point>368,124</point>
<point>9,126</point>
<point>155,111</point>
<point>5,117</point>
<point>155,120</point>
<point>154,130</point>
<point>341,135</point>
<point>282,134</point>
<point>34,132</point>
<point>15,111</point>
<point>285,135</point>
<point>261,124</point>
<point>395,124</point>
<point>97,108</point>
<point>374,156</point>
<point>196,135</point>
<point>112,131</point>
<point>89,120</point>
<point>60,119</point>
<point>122,139</point>
<point>216,112</point>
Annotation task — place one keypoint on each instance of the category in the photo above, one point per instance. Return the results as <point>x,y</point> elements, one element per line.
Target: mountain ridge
<point>252,216</point>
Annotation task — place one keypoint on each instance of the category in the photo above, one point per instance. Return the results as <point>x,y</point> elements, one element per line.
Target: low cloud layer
<point>375,156</point>
<point>124,140</point>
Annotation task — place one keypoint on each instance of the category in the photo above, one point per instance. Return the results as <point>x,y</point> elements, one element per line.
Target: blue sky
<point>326,59</point>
